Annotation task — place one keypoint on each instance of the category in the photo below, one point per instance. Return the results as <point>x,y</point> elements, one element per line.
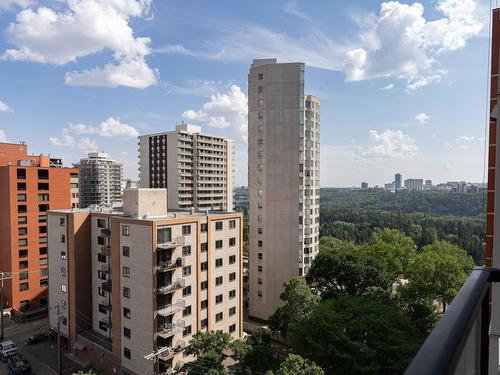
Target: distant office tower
<point>100,180</point>
<point>283,180</point>
<point>416,184</point>
<point>143,280</point>
<point>197,169</point>
<point>428,184</point>
<point>398,182</point>
<point>364,185</point>
<point>389,186</point>
<point>29,186</point>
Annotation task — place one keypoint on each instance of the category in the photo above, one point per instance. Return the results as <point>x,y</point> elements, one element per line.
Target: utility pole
<point>3,276</point>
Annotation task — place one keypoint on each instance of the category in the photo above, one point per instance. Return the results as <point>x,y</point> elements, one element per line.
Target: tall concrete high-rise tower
<point>283,180</point>
<point>196,168</point>
<point>100,180</point>
<point>398,182</point>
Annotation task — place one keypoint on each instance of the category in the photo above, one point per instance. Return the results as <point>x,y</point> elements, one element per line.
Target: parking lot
<point>43,356</point>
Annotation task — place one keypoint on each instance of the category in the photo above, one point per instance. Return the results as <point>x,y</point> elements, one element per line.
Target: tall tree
<point>299,302</point>
<point>256,353</point>
<point>296,365</point>
<point>357,335</point>
<point>208,348</point>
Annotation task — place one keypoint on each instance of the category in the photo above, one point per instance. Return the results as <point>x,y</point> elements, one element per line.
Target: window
<point>43,207</point>
<point>232,259</point>
<point>218,225</point>
<point>126,332</point>
<point>204,247</point>
<point>204,304</point>
<point>43,174</point>
<point>232,311</point>
<point>186,331</point>
<point>126,312</point>
<point>218,280</point>
<point>102,309</point>
<point>218,262</point>
<point>186,271</point>
<point>218,317</point>
<point>260,89</point>
<point>259,243</point>
<point>22,208</point>
<point>204,323</point>
<point>103,326</point>
<point>259,293</point>
<point>63,271</point>
<point>101,258</point>
<point>218,298</point>
<point>164,234</point>
<point>21,174</point>
<point>23,275</point>
<point>259,268</point>
<point>21,186</point>
<point>126,292</point>
<point>126,353</point>
<point>64,288</point>
<point>126,251</point>
<point>23,287</point>
<point>232,241</point>
<point>204,266</point>
<point>187,311</point>
<point>21,197</point>
<point>63,254</point>
<point>126,230</point>
<point>259,255</point>
<point>22,220</point>
<point>43,197</point>
<point>232,224</point>
<point>232,293</point>
<point>218,244</point>
<point>62,238</point>
<point>186,291</point>
<point>101,223</point>
<point>22,231</point>
<point>22,242</point>
<point>260,103</point>
<point>260,193</point>
<point>261,75</point>
<point>204,285</point>
<point>186,250</point>
<point>259,281</point>
<point>43,186</point>
<point>126,271</point>
<point>42,230</point>
<point>186,230</point>
<point>204,227</point>
<point>23,264</point>
<point>101,275</point>
<point>23,253</point>
<point>43,240</point>
<point>101,292</point>
<point>232,276</point>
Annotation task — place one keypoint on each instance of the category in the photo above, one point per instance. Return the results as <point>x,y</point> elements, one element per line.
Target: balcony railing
<point>178,241</point>
<point>105,250</point>
<point>106,286</point>
<point>178,284</point>
<point>105,232</point>
<point>170,329</point>
<point>459,344</point>
<point>172,308</point>
<point>170,264</point>
<point>168,352</point>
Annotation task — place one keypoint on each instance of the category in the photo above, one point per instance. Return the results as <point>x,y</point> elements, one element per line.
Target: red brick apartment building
<point>29,186</point>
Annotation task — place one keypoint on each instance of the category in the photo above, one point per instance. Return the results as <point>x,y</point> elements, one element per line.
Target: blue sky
<point>402,84</point>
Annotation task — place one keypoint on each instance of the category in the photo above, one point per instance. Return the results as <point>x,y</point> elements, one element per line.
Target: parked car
<point>7,349</point>
<point>36,338</point>
<point>19,366</point>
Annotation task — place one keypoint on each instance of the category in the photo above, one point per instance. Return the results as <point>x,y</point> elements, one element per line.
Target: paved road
<point>43,356</point>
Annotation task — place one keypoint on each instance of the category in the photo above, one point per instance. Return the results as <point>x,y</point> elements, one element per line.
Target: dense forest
<point>431,202</point>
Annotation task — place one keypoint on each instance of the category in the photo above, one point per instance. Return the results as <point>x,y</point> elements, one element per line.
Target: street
<point>43,356</point>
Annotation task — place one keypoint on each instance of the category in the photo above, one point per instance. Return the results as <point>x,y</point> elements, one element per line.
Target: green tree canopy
<point>299,303</point>
<point>255,353</point>
<point>208,348</point>
<point>342,267</point>
<point>357,335</point>
<point>296,365</point>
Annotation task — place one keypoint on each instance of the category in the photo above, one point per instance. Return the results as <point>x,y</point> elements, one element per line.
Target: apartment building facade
<point>155,278</point>
<point>30,185</point>
<point>414,184</point>
<point>197,169</point>
<point>100,180</point>
<point>283,180</point>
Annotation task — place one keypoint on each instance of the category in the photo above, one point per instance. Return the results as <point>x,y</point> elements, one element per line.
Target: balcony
<point>178,284</point>
<point>106,303</point>
<point>460,343</point>
<point>105,232</point>
<point>178,241</point>
<point>172,308</point>
<point>105,267</point>
<point>170,329</point>
<point>106,286</point>
<point>170,264</point>
<point>105,250</point>
<point>167,352</point>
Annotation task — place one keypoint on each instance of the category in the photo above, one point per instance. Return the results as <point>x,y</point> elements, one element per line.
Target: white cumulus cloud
<point>388,87</point>
<point>4,107</point>
<point>422,118</point>
<point>82,28</point>
<point>401,42</point>
<point>110,127</point>
<point>390,144</point>
<point>68,140</point>
<point>228,110</point>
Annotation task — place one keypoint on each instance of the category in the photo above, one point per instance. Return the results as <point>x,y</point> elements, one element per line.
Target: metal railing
<point>170,329</point>
<point>169,264</point>
<point>172,308</point>
<point>178,284</point>
<point>178,241</point>
<point>459,344</point>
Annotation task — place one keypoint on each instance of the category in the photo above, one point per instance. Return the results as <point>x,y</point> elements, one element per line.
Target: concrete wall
<point>145,202</point>
<point>143,162</point>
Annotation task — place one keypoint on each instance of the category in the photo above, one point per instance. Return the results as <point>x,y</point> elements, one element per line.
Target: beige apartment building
<point>197,169</point>
<point>140,282</point>
<point>283,180</point>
